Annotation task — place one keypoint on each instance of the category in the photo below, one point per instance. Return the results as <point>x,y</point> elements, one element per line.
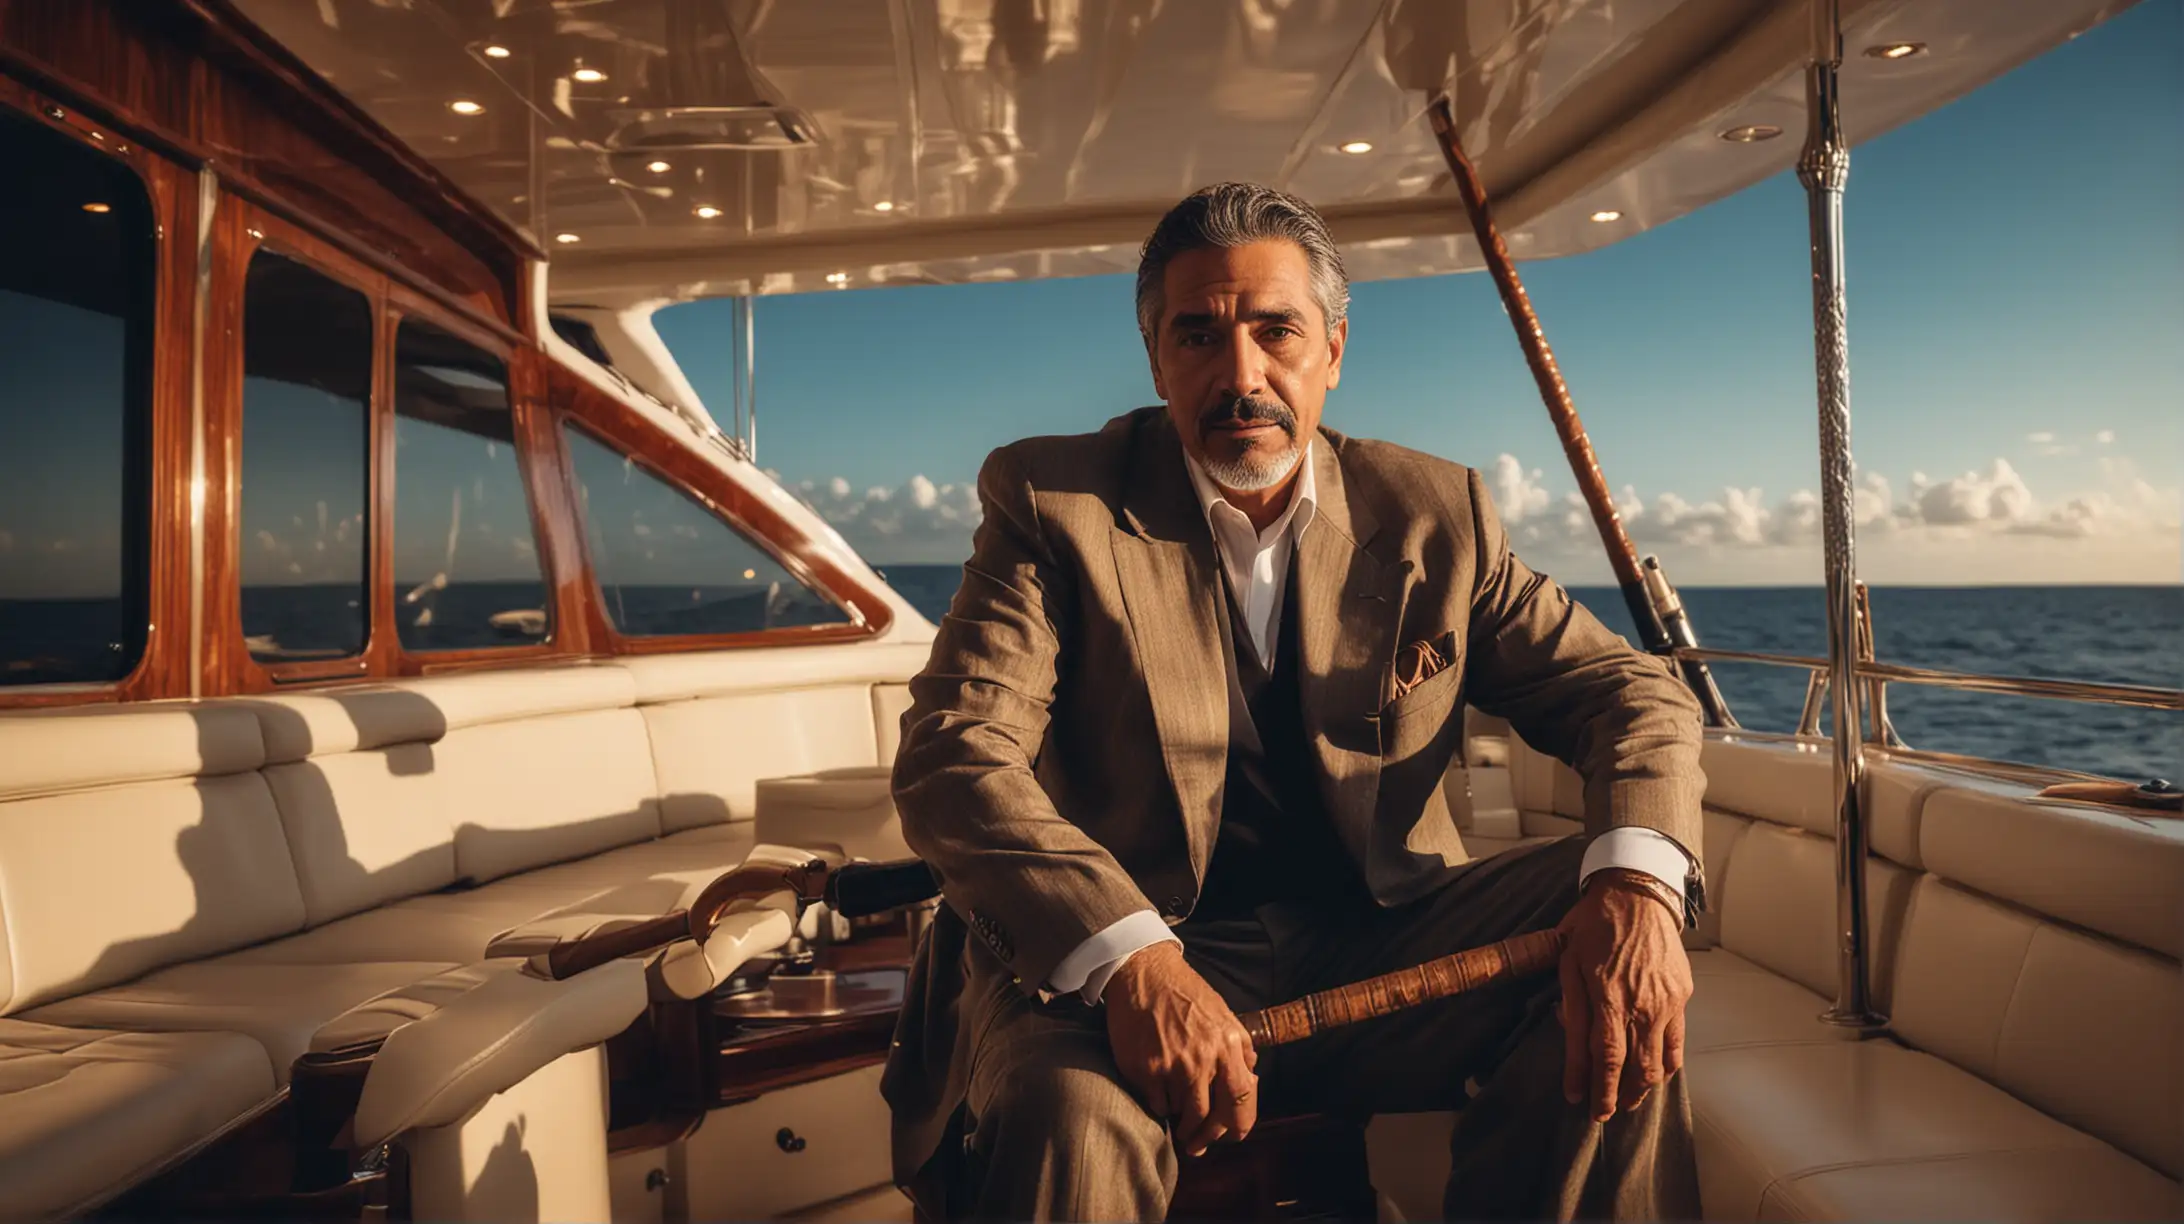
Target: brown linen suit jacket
<point>1063,757</point>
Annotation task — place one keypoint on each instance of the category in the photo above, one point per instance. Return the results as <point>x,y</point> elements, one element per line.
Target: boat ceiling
<point>666,149</point>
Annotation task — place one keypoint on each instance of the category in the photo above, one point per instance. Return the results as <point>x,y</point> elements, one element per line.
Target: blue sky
<point>2017,299</point>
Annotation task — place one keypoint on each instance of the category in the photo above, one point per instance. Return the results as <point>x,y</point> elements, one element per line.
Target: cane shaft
<point>1519,956</point>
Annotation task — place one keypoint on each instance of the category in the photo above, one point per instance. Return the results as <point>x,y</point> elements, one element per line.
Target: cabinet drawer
<point>789,1149</point>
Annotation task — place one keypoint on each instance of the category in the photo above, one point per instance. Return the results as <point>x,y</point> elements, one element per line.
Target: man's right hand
<point>1178,1044</point>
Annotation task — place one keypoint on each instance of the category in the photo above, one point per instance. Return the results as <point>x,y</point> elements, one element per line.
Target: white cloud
<point>1999,496</point>
<point>918,522</point>
<point>1518,494</point>
<point>2105,437</point>
<point>1985,525</point>
<point>2041,437</point>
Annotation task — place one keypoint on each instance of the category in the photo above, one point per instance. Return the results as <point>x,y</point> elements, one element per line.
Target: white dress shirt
<point>1257,565</point>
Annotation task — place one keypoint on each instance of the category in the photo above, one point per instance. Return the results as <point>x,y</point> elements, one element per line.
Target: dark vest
<point>1276,842</point>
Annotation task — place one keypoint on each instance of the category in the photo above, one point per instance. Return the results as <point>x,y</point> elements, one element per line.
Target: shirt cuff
<point>1089,965</point>
<point>1637,848</point>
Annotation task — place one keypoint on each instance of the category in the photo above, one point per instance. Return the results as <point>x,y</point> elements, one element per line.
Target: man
<point>1177,754</point>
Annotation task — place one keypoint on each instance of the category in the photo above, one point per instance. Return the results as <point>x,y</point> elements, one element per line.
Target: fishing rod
<point>1653,632</point>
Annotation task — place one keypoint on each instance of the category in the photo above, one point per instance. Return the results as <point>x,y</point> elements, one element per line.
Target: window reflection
<point>466,566</point>
<point>77,253</point>
<point>667,566</point>
<point>307,379</point>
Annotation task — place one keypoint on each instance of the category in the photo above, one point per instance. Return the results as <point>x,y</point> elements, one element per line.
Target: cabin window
<point>77,260</point>
<point>466,566</point>
<point>668,566</point>
<point>307,386</point>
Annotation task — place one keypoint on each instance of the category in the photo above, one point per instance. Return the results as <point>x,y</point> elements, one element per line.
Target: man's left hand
<point>1625,980</point>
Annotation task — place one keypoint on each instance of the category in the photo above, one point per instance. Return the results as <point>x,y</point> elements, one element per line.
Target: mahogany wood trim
<point>163,669</point>
<point>246,229</point>
<point>621,428</point>
<point>752,1064</point>
<point>578,620</point>
<point>404,304</point>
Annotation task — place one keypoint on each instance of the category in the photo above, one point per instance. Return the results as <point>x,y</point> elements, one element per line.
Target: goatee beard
<point>1251,470</point>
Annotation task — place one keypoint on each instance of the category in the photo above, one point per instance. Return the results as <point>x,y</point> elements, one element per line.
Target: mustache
<point>1250,409</point>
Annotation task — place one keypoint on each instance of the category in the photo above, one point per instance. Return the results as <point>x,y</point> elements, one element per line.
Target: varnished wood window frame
<point>404,302</point>
<point>622,430</point>
<point>162,670</point>
<point>244,230</point>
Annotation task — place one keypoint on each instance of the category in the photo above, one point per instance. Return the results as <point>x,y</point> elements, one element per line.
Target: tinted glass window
<point>666,565</point>
<point>307,382</point>
<point>76,267</point>
<point>466,567</point>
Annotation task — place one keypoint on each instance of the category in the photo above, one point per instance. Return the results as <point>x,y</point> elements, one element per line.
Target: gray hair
<point>1233,215</point>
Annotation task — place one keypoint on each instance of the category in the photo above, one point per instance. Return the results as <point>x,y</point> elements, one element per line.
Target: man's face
<point>1244,359</point>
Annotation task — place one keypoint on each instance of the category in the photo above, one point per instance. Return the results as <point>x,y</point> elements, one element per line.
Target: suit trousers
<point>1051,1132</point>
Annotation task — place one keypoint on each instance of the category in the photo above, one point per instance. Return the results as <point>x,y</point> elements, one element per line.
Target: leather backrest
<point>710,752</point>
<point>1778,901</point>
<point>390,790</point>
<point>721,721</point>
<point>2119,875</point>
<point>132,838</point>
<point>2085,1028</point>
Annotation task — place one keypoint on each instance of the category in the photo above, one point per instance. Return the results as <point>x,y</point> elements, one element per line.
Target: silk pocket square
<point>1422,660</point>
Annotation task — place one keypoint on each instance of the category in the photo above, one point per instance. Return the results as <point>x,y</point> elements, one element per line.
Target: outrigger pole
<point>1824,169</point>
<point>1591,483</point>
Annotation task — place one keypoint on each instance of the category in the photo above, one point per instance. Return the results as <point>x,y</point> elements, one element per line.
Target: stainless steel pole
<point>750,377</point>
<point>1824,169</point>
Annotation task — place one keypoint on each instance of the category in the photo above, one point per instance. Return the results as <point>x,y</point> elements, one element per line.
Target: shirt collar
<point>1303,500</point>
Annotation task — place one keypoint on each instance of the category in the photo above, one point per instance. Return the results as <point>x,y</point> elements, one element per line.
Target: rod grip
<point>1517,956</point>
<point>858,890</point>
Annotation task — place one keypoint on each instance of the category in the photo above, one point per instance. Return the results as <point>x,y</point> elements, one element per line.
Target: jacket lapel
<point>1164,559</point>
<point>1349,607</point>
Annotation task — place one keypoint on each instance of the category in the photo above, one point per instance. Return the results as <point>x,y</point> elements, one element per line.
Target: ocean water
<point>2122,635</point>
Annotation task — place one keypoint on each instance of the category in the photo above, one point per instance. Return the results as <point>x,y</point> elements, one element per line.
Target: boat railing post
<point>1880,730</point>
<point>1824,169</point>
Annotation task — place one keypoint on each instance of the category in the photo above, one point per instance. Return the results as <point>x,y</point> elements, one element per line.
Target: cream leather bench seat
<point>2026,956</point>
<point>130,840</point>
<point>229,876</point>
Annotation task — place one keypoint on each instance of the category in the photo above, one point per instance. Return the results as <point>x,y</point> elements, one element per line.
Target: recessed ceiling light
<point>1895,51</point>
<point>496,51</point>
<point>566,239</point>
<point>749,574</point>
<point>1751,133</point>
<point>590,76</point>
<point>837,278</point>
<point>884,206</point>
<point>464,106</point>
<point>1608,214</point>
<point>658,167</point>
<point>96,207</point>
<point>706,211</point>
<point>1358,146</point>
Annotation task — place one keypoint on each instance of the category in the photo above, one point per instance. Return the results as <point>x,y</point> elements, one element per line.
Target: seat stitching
<point>2089,1142</point>
<point>1994,1056</point>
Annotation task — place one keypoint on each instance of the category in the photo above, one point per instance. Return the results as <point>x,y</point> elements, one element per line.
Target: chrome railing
<point>2139,696</point>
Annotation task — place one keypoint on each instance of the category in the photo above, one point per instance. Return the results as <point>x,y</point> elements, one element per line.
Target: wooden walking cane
<point>1515,957</point>
<point>1562,410</point>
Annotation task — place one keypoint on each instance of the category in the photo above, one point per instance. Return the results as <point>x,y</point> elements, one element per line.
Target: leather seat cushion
<point>1863,1130</point>
<point>1736,1003</point>
<point>715,847</point>
<point>278,1006</point>
<point>86,1113</point>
